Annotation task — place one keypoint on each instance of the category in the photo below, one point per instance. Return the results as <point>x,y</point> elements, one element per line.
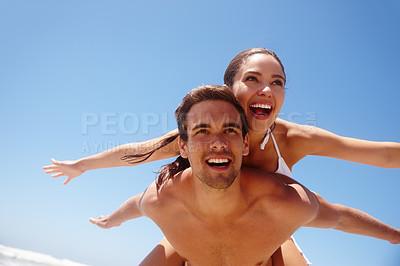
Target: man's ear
<point>182,148</point>
<point>246,148</point>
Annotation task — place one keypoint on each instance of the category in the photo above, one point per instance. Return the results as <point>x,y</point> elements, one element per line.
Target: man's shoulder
<point>177,183</point>
<point>267,182</point>
<point>278,189</point>
<point>158,196</point>
<point>159,203</point>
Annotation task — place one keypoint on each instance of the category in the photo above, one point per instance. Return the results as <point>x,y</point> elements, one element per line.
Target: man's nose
<point>218,143</point>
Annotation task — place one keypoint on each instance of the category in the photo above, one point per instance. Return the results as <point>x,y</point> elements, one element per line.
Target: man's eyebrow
<point>230,124</point>
<point>201,126</point>
<point>235,125</point>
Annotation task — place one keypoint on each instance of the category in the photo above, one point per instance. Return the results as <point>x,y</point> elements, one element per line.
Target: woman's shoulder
<point>295,140</point>
<point>293,130</point>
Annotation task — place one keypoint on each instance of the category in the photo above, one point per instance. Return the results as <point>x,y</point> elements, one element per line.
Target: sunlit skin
<point>261,81</point>
<point>216,165</point>
<point>222,210</point>
<point>260,88</point>
<point>215,213</point>
<point>258,83</point>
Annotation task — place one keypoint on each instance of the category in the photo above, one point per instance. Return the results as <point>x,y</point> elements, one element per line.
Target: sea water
<point>18,257</point>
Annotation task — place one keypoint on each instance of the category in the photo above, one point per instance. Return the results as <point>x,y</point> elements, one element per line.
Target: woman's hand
<point>70,169</point>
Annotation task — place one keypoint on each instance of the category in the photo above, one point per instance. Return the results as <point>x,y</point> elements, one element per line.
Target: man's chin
<point>220,181</point>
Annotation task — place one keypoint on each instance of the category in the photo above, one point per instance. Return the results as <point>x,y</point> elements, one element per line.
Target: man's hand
<point>396,238</point>
<point>70,169</point>
<point>103,222</point>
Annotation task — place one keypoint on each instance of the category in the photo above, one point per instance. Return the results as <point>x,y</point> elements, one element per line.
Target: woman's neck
<point>256,137</point>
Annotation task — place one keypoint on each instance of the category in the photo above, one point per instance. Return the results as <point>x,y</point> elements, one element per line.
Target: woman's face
<point>259,85</point>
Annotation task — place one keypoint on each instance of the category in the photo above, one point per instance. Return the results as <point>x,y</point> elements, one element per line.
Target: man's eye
<point>230,130</point>
<point>202,131</point>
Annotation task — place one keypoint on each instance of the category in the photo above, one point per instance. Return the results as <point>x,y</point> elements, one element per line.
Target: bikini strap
<point>265,140</point>
<point>276,146</point>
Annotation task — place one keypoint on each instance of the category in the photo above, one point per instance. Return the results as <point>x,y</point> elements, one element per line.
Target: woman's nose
<point>266,91</point>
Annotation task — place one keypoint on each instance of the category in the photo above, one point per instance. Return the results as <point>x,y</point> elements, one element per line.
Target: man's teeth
<point>260,105</point>
<point>218,161</point>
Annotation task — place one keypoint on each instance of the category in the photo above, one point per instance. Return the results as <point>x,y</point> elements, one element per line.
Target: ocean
<point>17,257</point>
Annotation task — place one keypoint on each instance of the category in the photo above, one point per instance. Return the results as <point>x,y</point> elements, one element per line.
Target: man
<point>214,212</point>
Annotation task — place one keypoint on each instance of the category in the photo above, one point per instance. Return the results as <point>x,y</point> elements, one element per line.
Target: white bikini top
<point>282,166</point>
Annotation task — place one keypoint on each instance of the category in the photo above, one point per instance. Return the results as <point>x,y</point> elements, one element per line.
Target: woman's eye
<point>251,78</point>
<point>278,82</point>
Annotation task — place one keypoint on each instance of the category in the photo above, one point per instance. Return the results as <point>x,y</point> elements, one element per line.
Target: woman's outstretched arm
<point>123,155</point>
<point>303,140</point>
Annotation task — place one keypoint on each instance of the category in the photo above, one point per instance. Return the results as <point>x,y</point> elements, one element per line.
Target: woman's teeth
<point>261,109</point>
<point>261,105</point>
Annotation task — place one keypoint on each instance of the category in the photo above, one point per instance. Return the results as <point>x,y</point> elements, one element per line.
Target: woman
<point>257,78</point>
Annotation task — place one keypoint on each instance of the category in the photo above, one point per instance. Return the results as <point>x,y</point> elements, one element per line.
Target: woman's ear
<point>182,148</point>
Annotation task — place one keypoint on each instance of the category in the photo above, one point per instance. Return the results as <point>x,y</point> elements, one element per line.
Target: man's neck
<point>218,204</point>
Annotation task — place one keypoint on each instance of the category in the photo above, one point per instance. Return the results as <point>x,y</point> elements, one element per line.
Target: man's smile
<point>219,164</point>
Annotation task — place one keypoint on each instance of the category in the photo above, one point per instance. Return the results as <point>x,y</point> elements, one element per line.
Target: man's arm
<point>130,209</point>
<point>343,218</point>
<point>352,221</point>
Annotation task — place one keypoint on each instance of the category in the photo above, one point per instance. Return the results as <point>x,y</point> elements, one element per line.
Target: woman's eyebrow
<point>252,72</point>
<point>279,76</point>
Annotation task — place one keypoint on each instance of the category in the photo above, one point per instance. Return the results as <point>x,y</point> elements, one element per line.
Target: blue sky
<point>79,77</point>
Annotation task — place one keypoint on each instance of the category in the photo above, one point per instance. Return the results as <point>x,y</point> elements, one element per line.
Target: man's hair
<point>197,95</point>
<point>207,93</point>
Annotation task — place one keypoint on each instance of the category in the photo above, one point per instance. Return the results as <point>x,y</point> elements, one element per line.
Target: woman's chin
<point>259,129</point>
<point>260,126</point>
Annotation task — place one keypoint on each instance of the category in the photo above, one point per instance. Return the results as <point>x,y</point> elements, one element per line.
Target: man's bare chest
<point>249,240</point>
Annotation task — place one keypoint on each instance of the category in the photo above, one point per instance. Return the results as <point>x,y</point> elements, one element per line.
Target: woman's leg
<point>288,255</point>
<point>164,255</point>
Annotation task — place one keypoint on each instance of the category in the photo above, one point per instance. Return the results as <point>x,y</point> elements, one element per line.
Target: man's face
<point>215,144</point>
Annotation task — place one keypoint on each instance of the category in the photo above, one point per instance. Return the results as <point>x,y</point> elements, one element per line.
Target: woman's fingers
<point>58,175</point>
<point>51,171</point>
<point>67,180</point>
